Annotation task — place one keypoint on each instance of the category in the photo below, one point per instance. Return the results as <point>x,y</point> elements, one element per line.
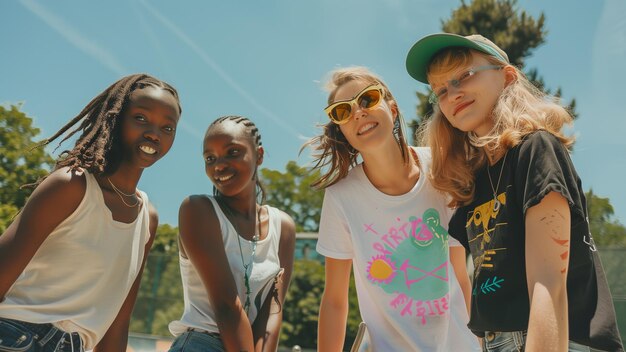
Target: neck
<point>389,172</point>
<point>243,206</point>
<point>125,180</point>
<point>493,155</point>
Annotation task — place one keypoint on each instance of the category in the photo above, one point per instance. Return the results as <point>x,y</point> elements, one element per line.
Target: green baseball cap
<point>422,52</point>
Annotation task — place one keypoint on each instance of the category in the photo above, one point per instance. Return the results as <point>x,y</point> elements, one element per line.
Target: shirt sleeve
<point>448,213</point>
<point>334,239</point>
<point>456,228</point>
<point>544,166</point>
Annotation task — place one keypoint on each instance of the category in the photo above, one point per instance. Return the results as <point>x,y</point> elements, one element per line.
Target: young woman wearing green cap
<point>500,153</point>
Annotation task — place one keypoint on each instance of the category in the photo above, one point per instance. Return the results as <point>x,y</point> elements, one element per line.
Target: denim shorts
<point>514,341</point>
<point>21,336</point>
<point>197,341</point>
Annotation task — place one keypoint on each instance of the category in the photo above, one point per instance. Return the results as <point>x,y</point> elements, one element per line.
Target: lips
<point>224,178</point>
<point>147,149</point>
<point>366,128</point>
<point>461,106</point>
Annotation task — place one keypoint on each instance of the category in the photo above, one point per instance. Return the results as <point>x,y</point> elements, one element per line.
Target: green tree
<point>19,164</point>
<point>291,192</point>
<point>160,298</point>
<point>606,231</point>
<point>301,308</point>
<point>512,29</point>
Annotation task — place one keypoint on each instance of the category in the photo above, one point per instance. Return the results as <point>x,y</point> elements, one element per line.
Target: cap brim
<point>422,52</point>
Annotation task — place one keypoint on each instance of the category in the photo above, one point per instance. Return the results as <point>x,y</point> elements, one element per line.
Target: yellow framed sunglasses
<point>339,112</point>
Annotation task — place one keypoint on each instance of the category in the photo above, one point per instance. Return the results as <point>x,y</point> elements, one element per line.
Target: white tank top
<point>198,312</point>
<point>83,271</point>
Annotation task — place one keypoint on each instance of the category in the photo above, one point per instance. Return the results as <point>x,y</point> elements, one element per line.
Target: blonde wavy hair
<point>332,153</point>
<point>520,110</point>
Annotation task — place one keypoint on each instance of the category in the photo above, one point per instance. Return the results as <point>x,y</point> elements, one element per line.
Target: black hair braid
<point>255,135</point>
<point>98,149</point>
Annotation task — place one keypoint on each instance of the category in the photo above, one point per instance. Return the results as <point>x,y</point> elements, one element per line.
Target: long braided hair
<point>98,149</point>
<point>252,131</point>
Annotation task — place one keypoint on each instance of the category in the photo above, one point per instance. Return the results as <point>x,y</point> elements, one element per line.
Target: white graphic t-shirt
<point>408,294</point>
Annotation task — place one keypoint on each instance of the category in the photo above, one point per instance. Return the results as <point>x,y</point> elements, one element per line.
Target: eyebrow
<point>146,108</point>
<point>231,144</point>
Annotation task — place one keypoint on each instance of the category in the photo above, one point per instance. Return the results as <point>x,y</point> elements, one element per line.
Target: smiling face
<point>468,106</point>
<point>367,129</point>
<point>149,122</point>
<point>231,158</point>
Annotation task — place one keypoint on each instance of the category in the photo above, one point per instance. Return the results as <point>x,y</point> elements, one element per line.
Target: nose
<point>220,165</point>
<point>152,133</point>
<point>358,111</point>
<point>454,93</point>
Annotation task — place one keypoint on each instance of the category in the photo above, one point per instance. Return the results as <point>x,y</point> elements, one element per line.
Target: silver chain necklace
<point>247,268</point>
<point>122,195</point>
<point>496,202</point>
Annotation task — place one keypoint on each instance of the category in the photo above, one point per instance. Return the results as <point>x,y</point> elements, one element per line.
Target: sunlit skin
<point>367,129</point>
<point>231,159</point>
<point>148,126</point>
<point>469,107</point>
<point>148,130</point>
<point>370,132</point>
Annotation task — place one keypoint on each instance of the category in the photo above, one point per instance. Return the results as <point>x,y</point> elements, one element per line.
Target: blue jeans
<point>21,336</point>
<point>515,341</point>
<point>196,341</point>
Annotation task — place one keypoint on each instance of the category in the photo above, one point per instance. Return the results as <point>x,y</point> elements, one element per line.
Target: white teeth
<point>147,150</point>
<point>224,178</point>
<point>366,127</point>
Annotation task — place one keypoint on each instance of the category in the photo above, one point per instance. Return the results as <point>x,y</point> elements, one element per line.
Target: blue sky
<point>268,59</point>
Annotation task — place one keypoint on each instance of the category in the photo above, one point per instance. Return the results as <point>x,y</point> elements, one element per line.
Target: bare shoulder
<point>199,229</point>
<point>196,204</point>
<point>62,190</point>
<point>197,213</point>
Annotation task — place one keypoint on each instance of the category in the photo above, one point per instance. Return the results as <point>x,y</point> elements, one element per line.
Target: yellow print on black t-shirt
<point>481,227</point>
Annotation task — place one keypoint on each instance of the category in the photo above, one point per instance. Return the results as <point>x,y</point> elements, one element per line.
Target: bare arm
<point>201,239</point>
<point>56,198</point>
<point>116,337</point>
<point>266,327</point>
<point>547,259</point>
<point>457,259</point>
<point>334,305</point>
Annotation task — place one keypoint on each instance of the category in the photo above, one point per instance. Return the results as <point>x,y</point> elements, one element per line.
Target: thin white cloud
<point>220,72</point>
<point>75,38</point>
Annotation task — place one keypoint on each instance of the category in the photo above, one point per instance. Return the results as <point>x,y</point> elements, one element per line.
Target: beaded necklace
<point>247,268</point>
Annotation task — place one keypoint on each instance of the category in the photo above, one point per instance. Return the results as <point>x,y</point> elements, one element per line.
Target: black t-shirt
<point>495,235</point>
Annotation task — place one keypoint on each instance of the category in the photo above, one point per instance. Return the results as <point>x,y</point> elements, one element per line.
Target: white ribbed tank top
<point>198,311</point>
<point>83,271</point>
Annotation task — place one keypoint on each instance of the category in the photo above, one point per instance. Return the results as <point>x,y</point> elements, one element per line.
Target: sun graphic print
<point>412,265</point>
<point>381,270</point>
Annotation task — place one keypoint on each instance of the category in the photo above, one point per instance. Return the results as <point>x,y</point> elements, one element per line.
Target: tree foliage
<point>160,298</point>
<point>291,192</point>
<point>606,231</point>
<point>512,29</point>
<point>19,165</point>
<point>301,309</point>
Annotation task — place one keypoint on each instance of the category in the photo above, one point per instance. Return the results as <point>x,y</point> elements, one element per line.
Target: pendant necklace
<point>122,195</point>
<point>496,202</point>
<point>247,268</point>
